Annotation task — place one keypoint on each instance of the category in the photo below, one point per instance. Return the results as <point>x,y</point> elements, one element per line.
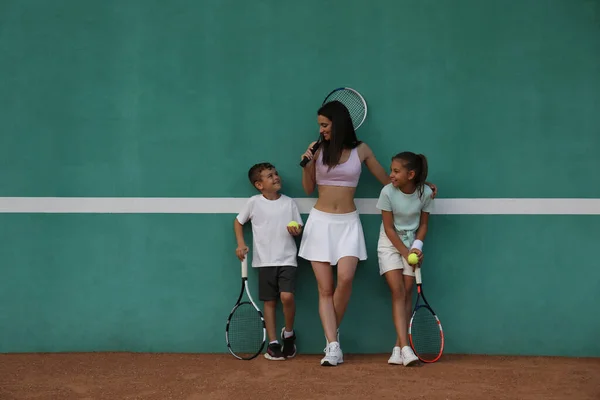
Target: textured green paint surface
<point>168,282</point>
<point>144,98</point>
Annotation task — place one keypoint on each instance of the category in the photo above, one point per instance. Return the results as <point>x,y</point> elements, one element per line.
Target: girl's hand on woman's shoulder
<point>433,189</point>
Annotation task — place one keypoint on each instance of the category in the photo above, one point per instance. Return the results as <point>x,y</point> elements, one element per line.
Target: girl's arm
<point>433,189</point>
<point>390,232</point>
<point>422,231</point>
<point>420,235</point>
<point>373,165</point>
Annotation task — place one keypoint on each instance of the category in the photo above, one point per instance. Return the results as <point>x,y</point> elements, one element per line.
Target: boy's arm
<point>245,215</point>
<point>296,217</point>
<point>242,249</point>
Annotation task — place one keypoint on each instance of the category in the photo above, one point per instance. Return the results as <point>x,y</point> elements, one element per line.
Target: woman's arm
<point>373,165</point>
<point>309,179</point>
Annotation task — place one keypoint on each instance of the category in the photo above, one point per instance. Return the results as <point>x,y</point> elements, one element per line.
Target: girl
<point>405,204</point>
<point>333,232</point>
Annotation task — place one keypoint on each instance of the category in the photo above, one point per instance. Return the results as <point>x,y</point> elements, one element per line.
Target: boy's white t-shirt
<point>273,246</point>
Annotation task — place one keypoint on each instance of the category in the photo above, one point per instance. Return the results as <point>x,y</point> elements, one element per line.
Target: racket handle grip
<point>245,267</point>
<point>418,275</point>
<point>305,160</point>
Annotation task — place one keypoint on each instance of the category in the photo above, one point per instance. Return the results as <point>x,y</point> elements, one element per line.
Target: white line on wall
<point>231,205</point>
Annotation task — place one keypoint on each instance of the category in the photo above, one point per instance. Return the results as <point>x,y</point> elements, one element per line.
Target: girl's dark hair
<point>343,135</point>
<point>417,163</point>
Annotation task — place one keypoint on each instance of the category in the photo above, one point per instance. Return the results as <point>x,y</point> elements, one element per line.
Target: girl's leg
<point>403,353</point>
<point>395,281</point>
<point>409,284</point>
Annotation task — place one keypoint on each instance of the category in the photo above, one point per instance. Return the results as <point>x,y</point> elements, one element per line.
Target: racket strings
<point>246,331</point>
<point>426,334</point>
<point>353,103</point>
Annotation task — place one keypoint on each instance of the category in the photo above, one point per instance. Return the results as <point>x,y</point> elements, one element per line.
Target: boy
<point>274,253</point>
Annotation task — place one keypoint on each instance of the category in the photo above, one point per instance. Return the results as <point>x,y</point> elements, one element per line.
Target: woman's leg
<point>324,275</point>
<point>341,296</point>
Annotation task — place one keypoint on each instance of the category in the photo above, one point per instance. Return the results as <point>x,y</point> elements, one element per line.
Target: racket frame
<point>315,147</point>
<point>362,99</point>
<point>421,295</point>
<point>238,303</point>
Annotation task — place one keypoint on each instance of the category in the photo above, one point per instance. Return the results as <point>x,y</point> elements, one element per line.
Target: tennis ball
<point>293,224</point>
<point>413,259</point>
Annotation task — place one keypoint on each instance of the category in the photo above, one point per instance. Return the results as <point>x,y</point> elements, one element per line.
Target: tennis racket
<point>354,102</point>
<point>245,332</point>
<point>425,330</point>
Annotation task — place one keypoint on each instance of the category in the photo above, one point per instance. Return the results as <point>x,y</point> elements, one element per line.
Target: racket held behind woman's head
<point>353,101</point>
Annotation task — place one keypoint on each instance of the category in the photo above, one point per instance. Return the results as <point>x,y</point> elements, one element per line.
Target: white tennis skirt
<point>328,237</point>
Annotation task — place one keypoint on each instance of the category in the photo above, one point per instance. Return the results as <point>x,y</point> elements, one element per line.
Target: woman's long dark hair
<point>342,136</point>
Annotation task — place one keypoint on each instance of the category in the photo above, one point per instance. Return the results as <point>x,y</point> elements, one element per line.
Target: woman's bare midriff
<point>336,199</point>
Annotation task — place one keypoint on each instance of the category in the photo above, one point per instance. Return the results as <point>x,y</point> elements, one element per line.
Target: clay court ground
<point>87,376</point>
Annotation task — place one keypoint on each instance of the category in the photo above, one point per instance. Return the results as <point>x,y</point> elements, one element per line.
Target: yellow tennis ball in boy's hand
<point>413,259</point>
<point>293,224</point>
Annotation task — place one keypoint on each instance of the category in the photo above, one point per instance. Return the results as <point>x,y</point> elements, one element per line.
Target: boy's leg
<point>269,306</point>
<point>287,288</point>
<point>268,293</point>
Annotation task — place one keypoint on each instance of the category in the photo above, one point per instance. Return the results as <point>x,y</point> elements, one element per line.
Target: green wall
<point>140,99</point>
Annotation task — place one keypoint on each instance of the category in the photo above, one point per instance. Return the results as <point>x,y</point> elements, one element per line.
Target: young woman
<point>333,233</point>
<point>405,204</point>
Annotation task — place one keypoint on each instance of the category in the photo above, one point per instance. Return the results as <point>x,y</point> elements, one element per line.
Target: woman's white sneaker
<point>408,356</point>
<point>333,355</point>
<point>339,354</point>
<point>396,357</point>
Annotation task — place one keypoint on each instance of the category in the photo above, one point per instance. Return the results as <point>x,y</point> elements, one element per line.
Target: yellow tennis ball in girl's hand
<point>293,224</point>
<point>413,259</point>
